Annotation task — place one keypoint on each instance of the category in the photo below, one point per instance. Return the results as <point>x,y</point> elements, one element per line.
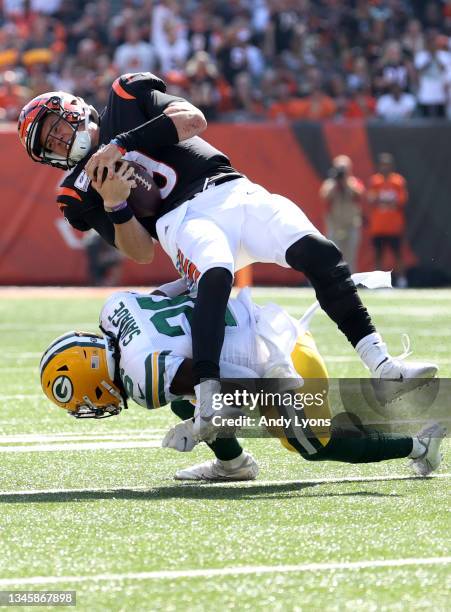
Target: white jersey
<point>154,337</point>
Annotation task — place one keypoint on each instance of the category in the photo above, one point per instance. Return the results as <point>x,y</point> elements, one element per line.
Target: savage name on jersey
<point>177,169</point>
<point>154,337</point>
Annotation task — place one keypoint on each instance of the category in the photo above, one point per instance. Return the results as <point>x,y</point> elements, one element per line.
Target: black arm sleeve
<point>158,132</point>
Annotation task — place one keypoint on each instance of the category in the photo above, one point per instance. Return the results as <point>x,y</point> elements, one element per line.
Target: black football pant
<point>356,445</point>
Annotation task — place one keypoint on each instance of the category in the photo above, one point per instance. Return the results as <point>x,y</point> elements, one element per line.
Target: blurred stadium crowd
<point>236,59</point>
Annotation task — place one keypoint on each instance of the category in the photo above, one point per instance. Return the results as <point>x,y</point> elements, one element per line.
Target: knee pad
<point>314,255</point>
<point>217,279</point>
<point>322,262</point>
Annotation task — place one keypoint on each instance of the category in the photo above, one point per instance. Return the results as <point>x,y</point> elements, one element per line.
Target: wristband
<point>116,207</point>
<point>122,150</point>
<point>121,215</point>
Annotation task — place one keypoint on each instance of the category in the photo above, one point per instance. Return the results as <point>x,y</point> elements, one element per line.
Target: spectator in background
<point>202,76</point>
<point>13,95</point>
<point>246,101</point>
<point>318,105</point>
<point>396,105</point>
<point>173,50</point>
<point>432,65</point>
<point>134,55</point>
<point>393,69</point>
<point>359,48</point>
<point>387,196</point>
<point>413,40</point>
<point>360,104</point>
<point>343,195</point>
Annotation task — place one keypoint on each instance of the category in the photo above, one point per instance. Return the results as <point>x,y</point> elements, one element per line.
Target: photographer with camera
<point>343,194</point>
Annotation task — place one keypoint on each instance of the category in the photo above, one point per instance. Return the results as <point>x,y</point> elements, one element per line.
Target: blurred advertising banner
<point>38,247</point>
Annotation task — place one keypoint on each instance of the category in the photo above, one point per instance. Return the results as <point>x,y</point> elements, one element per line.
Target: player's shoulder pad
<point>129,86</point>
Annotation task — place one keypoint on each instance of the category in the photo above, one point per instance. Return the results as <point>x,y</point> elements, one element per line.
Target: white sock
<point>232,464</point>
<point>418,448</point>
<point>372,351</point>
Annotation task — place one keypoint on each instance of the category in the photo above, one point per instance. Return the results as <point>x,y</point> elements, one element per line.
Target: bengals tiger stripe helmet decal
<point>66,108</point>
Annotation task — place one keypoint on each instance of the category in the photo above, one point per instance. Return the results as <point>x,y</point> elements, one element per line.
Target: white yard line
<point>229,571</point>
<point>23,396</point>
<point>69,436</point>
<point>80,446</point>
<point>41,327</point>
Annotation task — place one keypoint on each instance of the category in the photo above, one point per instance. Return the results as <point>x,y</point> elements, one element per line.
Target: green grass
<point>133,517</point>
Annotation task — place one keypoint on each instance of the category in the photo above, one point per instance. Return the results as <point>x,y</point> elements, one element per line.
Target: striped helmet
<point>64,108</point>
<point>77,375</point>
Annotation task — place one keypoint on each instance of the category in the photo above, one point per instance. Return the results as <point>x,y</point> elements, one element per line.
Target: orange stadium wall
<point>38,248</point>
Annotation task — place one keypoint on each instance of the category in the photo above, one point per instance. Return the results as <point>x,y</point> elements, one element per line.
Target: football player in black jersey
<point>212,221</point>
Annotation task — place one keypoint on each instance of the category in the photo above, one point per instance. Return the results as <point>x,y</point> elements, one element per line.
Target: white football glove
<point>206,427</point>
<point>180,437</point>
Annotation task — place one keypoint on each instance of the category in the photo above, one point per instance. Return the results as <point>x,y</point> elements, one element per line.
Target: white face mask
<point>82,143</point>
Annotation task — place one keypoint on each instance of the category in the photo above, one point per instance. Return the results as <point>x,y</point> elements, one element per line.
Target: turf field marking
<point>240,484</point>
<point>414,311</point>
<point>23,396</point>
<point>229,571</point>
<point>69,436</point>
<point>80,446</point>
<point>40,327</point>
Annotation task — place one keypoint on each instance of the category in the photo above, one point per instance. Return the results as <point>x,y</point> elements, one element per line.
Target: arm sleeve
<point>148,92</point>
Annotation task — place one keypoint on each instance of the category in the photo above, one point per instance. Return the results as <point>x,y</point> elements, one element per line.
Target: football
<point>145,198</point>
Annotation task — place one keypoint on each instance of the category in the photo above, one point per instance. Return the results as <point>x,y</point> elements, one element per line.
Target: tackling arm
<point>179,121</point>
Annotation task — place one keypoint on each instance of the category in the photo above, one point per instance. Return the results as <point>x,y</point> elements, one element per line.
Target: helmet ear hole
<point>99,393</point>
<point>63,368</point>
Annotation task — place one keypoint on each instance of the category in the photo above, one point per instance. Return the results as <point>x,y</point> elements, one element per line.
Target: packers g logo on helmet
<point>62,389</point>
<point>74,376</point>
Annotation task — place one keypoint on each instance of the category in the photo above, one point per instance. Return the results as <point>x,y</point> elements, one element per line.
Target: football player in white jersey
<point>145,354</point>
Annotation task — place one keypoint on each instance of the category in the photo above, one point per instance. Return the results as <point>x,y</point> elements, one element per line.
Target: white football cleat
<point>180,437</point>
<point>394,377</point>
<point>430,437</point>
<point>399,370</point>
<point>220,471</point>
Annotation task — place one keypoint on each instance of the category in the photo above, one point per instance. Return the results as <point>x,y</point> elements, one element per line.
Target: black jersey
<point>135,99</point>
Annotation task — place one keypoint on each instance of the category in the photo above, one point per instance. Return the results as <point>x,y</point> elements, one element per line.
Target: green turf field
<point>92,507</point>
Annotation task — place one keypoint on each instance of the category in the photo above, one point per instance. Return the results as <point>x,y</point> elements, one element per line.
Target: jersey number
<point>153,166</point>
<point>168,308</point>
